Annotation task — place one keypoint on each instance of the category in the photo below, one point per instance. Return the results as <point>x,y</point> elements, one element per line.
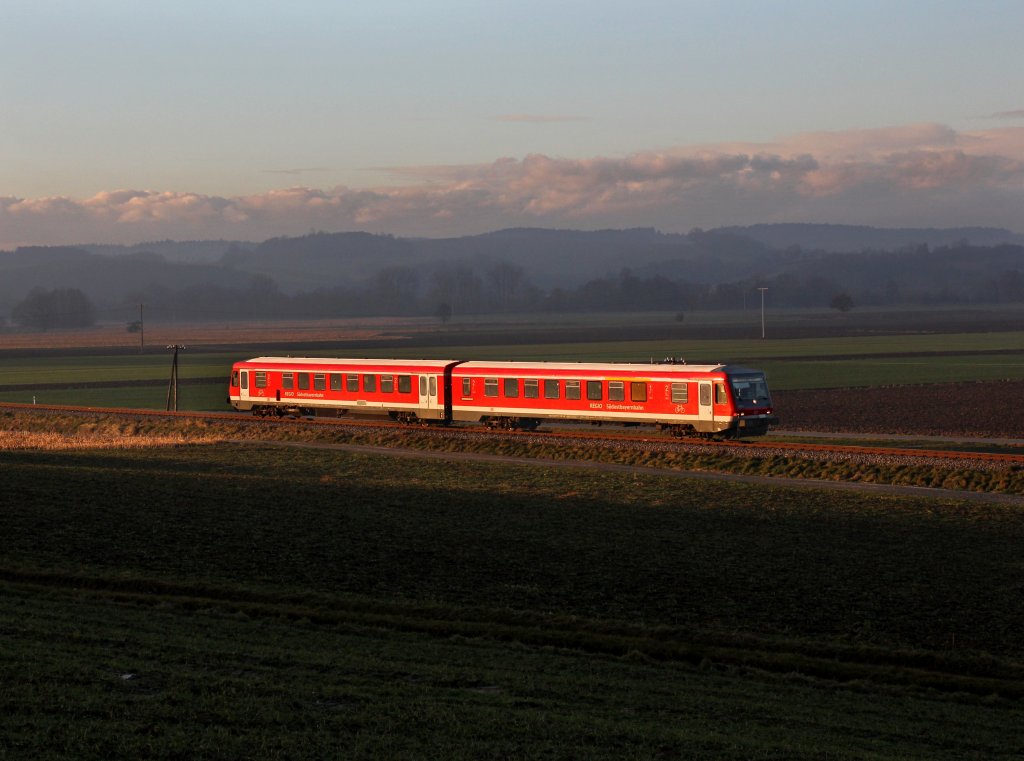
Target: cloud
<point>1016,114</point>
<point>915,175</point>
<point>539,118</point>
<point>297,170</point>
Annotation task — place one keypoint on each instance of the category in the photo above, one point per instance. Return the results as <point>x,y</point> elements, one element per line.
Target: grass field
<point>245,600</point>
<point>204,396</point>
<point>254,600</point>
<point>909,351</point>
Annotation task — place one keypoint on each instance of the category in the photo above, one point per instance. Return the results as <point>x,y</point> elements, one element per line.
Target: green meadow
<point>227,601</point>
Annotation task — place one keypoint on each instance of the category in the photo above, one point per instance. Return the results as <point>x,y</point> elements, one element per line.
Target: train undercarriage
<point>734,429</point>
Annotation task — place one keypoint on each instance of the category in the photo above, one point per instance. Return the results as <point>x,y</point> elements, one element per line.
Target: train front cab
<point>753,414</point>
<point>733,402</point>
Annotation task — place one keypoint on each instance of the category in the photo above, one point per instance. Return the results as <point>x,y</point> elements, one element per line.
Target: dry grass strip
<point>10,440</point>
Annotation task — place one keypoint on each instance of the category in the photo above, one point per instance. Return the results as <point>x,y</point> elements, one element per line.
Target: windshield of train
<point>750,391</point>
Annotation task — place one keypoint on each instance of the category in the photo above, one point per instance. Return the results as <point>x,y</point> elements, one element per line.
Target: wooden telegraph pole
<point>172,385</point>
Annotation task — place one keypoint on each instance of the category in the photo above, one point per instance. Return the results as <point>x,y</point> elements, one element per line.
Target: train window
<point>720,396</point>
<point>245,379</point>
<point>387,384</point>
<point>531,388</point>
<point>490,386</point>
<point>352,383</point>
<point>287,380</point>
<point>304,381</point>
<point>616,391</point>
<point>234,379</point>
<point>550,389</point>
<point>749,389</point>
<point>423,385</point>
<point>335,381</point>
<point>404,384</point>
<point>638,392</point>
<point>467,387</point>
<point>261,379</point>
<point>594,390</point>
<point>572,389</point>
<point>433,385</point>
<point>320,381</point>
<point>511,388</point>
<point>680,393</point>
<point>370,383</point>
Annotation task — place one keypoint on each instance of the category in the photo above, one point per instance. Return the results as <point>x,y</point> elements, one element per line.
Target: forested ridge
<point>352,274</point>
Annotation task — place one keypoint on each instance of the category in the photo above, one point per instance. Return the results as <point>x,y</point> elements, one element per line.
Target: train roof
<point>569,367</point>
<point>349,361</point>
<point>480,366</point>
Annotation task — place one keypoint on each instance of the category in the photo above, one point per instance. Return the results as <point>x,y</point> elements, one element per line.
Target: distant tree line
<point>457,289</point>
<point>59,308</point>
<point>454,291</point>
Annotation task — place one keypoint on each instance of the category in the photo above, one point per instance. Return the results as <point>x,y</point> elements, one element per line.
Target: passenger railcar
<point>701,399</point>
<point>707,400</point>
<point>404,389</point>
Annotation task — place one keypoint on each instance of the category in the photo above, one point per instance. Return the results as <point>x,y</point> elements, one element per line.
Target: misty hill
<point>551,257</point>
<point>313,261</point>
<point>105,279</point>
<point>526,268</point>
<point>851,238</point>
<point>184,251</point>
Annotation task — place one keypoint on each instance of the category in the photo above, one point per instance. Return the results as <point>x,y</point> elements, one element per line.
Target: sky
<point>123,122</point>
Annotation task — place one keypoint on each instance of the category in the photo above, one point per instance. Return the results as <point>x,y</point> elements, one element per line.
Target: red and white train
<point>706,400</point>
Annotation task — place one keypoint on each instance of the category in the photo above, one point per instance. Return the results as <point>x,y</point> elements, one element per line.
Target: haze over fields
<point>129,122</point>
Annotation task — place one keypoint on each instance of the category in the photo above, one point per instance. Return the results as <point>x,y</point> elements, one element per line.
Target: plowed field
<point>985,409</point>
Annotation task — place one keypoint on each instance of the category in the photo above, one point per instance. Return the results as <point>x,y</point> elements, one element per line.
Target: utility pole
<point>172,385</point>
<point>762,290</point>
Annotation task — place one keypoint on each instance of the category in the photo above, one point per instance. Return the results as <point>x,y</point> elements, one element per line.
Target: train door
<point>706,410</point>
<point>428,397</point>
<point>243,386</point>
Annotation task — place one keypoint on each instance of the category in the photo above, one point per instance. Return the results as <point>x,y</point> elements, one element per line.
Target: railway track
<point>627,436</point>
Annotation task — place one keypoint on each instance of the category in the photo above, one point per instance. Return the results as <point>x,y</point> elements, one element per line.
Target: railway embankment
<point>954,472</point>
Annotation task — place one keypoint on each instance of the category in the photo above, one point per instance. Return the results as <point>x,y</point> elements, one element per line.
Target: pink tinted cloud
<point>934,174</point>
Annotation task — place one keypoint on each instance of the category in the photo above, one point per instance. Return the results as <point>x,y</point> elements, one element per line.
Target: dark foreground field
<point>253,601</point>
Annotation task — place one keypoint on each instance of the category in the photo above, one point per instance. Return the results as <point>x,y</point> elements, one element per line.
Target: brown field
<point>241,332</point>
<point>982,409</point>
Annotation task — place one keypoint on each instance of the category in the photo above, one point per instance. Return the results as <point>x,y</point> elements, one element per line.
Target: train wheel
<point>680,431</point>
